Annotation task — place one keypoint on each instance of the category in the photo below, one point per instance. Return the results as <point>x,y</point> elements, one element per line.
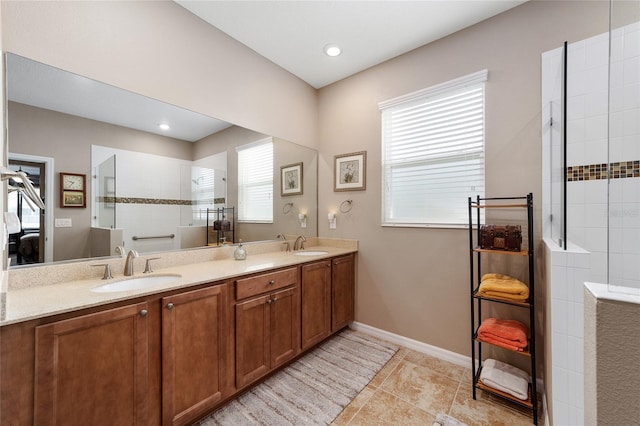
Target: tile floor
<point>413,388</point>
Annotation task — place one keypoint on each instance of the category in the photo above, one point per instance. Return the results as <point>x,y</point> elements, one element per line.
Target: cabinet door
<point>252,340</point>
<point>194,348</point>
<point>284,326</point>
<point>315,302</point>
<point>93,369</point>
<point>343,289</point>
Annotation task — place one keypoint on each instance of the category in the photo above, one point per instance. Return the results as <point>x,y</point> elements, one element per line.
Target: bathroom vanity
<point>173,353</point>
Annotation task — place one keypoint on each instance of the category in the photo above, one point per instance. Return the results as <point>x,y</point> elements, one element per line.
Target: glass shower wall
<point>553,148</point>
<point>624,148</point>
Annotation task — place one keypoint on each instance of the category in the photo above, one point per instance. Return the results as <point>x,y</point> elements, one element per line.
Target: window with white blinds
<point>255,182</point>
<point>433,153</point>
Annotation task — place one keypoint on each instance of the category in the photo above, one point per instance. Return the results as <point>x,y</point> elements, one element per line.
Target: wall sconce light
<point>332,220</point>
<point>303,220</point>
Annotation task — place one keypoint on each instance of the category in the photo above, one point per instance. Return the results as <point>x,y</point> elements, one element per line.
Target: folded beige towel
<point>504,287</point>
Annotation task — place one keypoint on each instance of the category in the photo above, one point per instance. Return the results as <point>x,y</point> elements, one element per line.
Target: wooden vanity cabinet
<point>315,289</point>
<point>195,327</point>
<point>93,369</point>
<point>267,323</point>
<point>342,291</point>
<point>169,358</point>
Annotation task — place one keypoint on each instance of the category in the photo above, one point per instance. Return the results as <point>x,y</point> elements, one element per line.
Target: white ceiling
<point>292,34</point>
<point>36,84</point>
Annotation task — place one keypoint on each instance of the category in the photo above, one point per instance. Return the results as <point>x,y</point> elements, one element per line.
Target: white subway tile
<point>597,128</point>
<point>598,78</point>
<point>560,316</point>
<point>576,330</point>
<point>560,354</point>
<point>576,130</point>
<point>631,70</point>
<point>559,284</point>
<point>576,386</point>
<point>597,51</point>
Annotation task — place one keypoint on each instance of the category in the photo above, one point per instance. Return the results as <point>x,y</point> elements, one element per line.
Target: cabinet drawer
<point>259,284</point>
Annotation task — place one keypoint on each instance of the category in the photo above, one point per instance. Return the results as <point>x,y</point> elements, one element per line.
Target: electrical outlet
<point>63,223</point>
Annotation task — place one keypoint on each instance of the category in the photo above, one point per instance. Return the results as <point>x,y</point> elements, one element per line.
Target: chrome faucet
<point>301,239</point>
<point>284,241</point>
<point>128,264</point>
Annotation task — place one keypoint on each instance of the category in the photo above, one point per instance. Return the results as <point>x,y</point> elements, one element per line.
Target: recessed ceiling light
<point>332,50</point>
<point>164,126</point>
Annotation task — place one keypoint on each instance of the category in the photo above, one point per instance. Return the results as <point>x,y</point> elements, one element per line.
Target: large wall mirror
<point>201,182</point>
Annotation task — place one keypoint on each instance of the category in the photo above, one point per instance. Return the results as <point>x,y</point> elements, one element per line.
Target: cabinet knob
<point>269,301</point>
<point>272,282</point>
<point>143,313</point>
<point>169,306</point>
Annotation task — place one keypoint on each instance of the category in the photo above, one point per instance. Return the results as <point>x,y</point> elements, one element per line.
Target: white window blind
<point>255,182</point>
<point>433,153</point>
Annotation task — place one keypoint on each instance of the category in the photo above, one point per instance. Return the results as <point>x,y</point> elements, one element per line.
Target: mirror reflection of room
<point>25,246</point>
<point>149,188</point>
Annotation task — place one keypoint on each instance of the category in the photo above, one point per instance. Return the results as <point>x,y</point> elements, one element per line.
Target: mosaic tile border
<point>617,170</point>
<point>163,201</point>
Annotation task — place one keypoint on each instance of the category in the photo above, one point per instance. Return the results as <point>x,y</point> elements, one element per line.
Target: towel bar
<point>136,238</point>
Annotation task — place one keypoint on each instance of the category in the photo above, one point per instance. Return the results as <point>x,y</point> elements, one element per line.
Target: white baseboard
<point>453,357</point>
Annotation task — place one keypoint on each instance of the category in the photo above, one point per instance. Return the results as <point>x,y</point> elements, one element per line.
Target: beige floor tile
<point>487,409</point>
<point>386,409</point>
<point>388,368</point>
<point>443,367</point>
<point>422,387</point>
<point>354,406</point>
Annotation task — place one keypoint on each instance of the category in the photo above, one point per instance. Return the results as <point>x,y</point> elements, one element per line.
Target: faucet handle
<point>120,250</point>
<point>147,265</point>
<point>107,271</point>
<point>288,246</point>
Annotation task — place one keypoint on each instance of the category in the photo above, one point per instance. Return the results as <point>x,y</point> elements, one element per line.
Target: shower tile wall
<point>592,161</point>
<point>624,145</point>
<point>589,149</point>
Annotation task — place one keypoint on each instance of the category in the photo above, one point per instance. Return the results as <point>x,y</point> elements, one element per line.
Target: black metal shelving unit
<point>217,235</point>
<point>524,204</point>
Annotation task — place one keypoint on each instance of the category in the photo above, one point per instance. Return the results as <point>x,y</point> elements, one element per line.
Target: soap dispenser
<point>240,253</point>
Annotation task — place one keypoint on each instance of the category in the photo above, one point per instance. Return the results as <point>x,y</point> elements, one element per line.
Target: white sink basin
<point>136,283</point>
<point>310,252</point>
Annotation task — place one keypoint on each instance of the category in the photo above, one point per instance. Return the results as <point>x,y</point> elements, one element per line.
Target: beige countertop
<point>38,301</point>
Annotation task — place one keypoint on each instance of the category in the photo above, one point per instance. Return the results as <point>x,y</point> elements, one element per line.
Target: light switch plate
<point>63,222</point>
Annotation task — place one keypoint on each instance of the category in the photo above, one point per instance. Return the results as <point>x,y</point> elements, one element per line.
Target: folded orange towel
<point>510,334</point>
<point>504,287</point>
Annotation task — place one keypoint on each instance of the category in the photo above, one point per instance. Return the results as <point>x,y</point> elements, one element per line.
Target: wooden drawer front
<point>259,284</point>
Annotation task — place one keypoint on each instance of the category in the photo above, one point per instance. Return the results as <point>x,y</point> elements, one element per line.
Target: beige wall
<point>415,282</point>
<point>159,49</point>
<point>68,139</point>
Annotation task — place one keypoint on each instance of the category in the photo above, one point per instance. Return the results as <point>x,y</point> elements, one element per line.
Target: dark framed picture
<point>291,180</point>
<point>350,172</point>
<point>73,199</point>
<point>73,190</point>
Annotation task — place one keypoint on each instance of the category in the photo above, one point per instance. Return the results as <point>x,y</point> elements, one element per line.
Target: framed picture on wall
<point>73,190</point>
<point>350,172</point>
<point>291,180</point>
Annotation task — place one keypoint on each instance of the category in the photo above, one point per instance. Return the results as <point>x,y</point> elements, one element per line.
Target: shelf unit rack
<point>475,256</point>
<point>215,236</point>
